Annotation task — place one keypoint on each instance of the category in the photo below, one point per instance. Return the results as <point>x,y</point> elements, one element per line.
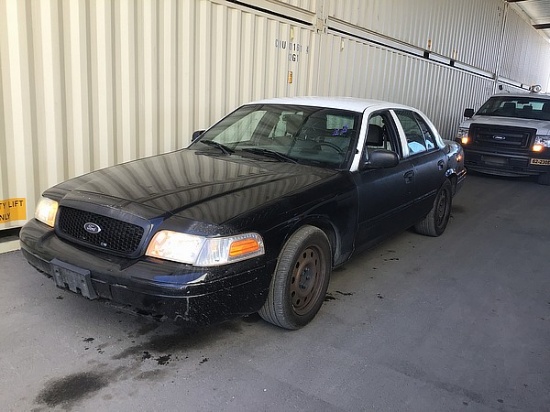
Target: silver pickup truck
<point>509,136</point>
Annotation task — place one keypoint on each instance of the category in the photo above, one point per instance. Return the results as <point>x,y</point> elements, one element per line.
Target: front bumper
<point>160,288</point>
<point>505,164</point>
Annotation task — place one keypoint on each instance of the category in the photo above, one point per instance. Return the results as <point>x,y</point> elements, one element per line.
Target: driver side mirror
<point>381,159</point>
<point>196,135</point>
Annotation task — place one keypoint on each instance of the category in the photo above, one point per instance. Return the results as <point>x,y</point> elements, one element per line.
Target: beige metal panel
<point>167,43</point>
<point>465,30</point>
<point>76,90</point>
<point>440,91</point>
<point>243,55</point>
<point>309,5</point>
<point>125,80</point>
<point>102,78</point>
<point>90,84</point>
<point>526,54</point>
<point>302,10</point>
<point>187,71</point>
<point>17,151</point>
<point>147,77</point>
<point>48,137</point>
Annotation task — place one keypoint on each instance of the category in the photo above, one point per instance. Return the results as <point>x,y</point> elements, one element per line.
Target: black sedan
<point>253,216</point>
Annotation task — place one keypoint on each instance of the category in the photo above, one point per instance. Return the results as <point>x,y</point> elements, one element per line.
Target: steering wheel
<point>332,146</point>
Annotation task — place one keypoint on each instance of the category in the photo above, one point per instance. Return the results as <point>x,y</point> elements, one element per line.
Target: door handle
<point>440,165</point>
<point>409,176</point>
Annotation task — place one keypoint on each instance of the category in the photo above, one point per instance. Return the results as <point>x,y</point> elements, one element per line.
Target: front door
<point>385,196</point>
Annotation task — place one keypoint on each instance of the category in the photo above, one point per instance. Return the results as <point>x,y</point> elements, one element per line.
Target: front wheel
<point>435,222</point>
<point>300,281</point>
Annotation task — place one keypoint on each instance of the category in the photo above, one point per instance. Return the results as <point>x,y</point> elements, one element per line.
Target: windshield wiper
<point>270,153</point>
<point>226,150</point>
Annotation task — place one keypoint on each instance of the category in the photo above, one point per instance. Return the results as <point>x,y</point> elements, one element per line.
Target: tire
<point>544,179</point>
<point>435,222</point>
<point>299,284</point>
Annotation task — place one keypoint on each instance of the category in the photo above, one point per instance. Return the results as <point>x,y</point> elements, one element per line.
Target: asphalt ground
<point>455,323</point>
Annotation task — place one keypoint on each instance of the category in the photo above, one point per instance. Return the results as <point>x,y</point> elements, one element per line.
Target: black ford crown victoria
<point>253,215</point>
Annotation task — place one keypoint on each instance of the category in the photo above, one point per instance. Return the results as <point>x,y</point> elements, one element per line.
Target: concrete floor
<point>456,323</point>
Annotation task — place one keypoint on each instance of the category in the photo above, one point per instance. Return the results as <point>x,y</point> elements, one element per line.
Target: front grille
<point>115,236</point>
<point>502,137</point>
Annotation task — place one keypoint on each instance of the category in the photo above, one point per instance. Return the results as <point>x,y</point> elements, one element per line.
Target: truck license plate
<point>542,162</point>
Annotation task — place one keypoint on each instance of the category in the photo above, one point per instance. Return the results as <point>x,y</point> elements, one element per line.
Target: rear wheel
<point>544,179</point>
<point>300,281</point>
<point>435,222</point>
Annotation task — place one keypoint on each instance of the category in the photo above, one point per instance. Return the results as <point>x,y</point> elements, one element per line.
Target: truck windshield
<point>518,107</point>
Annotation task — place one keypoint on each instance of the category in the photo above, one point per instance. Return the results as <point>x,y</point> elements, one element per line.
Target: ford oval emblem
<point>91,227</point>
<point>499,137</point>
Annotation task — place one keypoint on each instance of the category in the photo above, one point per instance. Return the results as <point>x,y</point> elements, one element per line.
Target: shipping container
<point>84,85</point>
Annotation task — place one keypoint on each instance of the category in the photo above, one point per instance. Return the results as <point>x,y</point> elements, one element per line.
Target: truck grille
<point>115,236</point>
<point>501,137</point>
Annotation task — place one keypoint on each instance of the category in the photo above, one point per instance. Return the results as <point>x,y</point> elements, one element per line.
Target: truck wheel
<point>299,284</point>
<point>544,179</point>
<point>435,222</point>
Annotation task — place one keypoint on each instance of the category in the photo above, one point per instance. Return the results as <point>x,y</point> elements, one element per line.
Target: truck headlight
<point>463,135</point>
<point>541,142</point>
<point>46,210</point>
<point>204,251</point>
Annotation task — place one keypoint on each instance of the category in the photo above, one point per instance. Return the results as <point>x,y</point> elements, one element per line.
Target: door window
<point>416,140</point>
<point>426,132</point>
<point>380,133</point>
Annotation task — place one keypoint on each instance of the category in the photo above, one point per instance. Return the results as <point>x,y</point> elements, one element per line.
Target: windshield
<point>528,107</point>
<point>284,133</point>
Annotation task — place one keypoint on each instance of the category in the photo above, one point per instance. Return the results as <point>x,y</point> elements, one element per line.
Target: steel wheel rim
<point>442,208</point>
<point>306,280</point>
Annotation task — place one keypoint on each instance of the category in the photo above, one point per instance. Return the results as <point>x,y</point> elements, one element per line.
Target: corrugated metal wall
<point>467,30</point>
<point>90,84</point>
<point>380,73</point>
<point>525,56</point>
<point>87,84</point>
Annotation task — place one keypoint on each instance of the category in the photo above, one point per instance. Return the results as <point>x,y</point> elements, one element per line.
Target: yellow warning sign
<point>12,210</point>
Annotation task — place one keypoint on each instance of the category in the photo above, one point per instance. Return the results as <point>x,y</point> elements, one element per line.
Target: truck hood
<point>542,126</point>
<point>188,183</point>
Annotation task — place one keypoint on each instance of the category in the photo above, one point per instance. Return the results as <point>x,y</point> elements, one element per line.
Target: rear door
<point>429,162</point>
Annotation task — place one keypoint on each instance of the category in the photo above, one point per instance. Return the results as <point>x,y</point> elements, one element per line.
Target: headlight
<point>46,210</point>
<point>541,142</point>
<point>462,135</point>
<point>204,251</point>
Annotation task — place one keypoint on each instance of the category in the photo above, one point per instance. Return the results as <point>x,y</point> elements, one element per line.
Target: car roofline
<point>345,103</point>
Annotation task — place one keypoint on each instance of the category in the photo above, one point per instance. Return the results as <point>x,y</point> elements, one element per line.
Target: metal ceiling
<point>537,12</point>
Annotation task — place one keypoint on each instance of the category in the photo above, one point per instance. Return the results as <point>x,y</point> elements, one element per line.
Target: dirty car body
<point>253,215</point>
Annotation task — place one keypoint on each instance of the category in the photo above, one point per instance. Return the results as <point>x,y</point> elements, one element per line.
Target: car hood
<point>188,183</point>
<point>542,126</point>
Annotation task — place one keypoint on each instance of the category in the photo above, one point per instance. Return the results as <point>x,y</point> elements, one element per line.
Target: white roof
<point>345,103</point>
<point>545,96</point>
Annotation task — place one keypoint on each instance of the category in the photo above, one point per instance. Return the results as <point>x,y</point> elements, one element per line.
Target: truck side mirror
<point>469,113</point>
